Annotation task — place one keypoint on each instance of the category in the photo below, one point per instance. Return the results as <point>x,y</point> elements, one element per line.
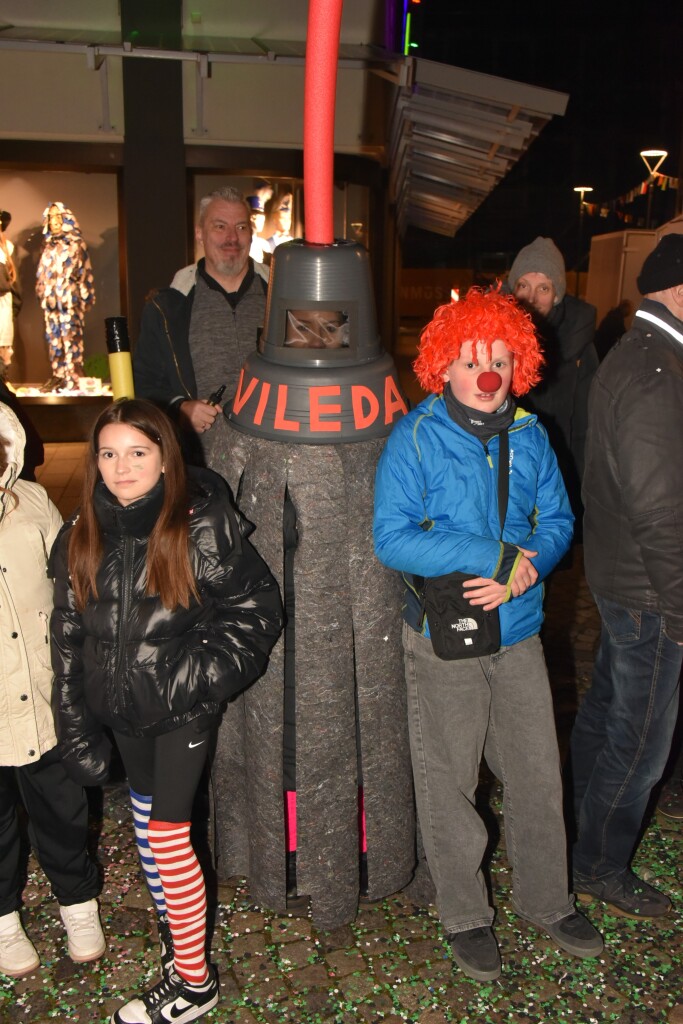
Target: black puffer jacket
<point>128,662</point>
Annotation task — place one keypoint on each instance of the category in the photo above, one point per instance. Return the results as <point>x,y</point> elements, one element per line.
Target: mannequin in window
<point>10,304</point>
<point>66,289</point>
<point>10,296</point>
<point>258,220</point>
<point>34,452</point>
<point>281,217</point>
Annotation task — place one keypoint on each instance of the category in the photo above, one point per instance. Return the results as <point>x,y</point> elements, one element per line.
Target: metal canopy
<point>454,135</point>
<point>215,49</point>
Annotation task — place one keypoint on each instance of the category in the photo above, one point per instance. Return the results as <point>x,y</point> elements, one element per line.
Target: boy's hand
<point>490,594</point>
<point>485,592</point>
<point>525,573</point>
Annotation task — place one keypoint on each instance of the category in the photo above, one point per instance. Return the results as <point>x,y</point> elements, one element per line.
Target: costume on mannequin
<point>66,289</point>
<point>281,214</point>
<point>10,297</point>
<point>258,219</point>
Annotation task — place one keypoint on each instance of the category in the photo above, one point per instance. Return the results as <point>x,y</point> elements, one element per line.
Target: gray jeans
<point>499,706</point>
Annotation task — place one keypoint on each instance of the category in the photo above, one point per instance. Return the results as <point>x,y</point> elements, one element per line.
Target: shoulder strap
<point>503,476</point>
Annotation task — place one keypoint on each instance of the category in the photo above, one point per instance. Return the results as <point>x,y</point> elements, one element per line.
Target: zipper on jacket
<point>46,632</point>
<point>170,345</point>
<point>121,636</point>
<point>235,323</point>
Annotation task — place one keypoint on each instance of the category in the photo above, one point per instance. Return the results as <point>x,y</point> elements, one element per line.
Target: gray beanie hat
<point>540,257</point>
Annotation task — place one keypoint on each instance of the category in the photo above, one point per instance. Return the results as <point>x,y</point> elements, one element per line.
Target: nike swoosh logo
<point>175,1010</point>
<point>193,745</point>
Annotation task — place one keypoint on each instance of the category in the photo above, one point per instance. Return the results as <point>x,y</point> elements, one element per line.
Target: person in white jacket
<point>30,769</point>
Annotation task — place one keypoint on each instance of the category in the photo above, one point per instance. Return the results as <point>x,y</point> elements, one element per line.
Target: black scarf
<point>137,519</point>
<point>483,425</point>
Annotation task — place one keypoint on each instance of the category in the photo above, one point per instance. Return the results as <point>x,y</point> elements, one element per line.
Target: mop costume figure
<point>313,765</point>
<point>66,289</point>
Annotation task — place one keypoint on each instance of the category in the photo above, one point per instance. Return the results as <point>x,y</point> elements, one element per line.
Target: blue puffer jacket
<point>436,506</point>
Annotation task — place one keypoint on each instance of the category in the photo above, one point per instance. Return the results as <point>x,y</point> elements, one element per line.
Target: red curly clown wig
<point>482,316</point>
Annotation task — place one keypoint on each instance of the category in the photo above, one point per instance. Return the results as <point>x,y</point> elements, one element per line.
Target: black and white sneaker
<point>171,1001</point>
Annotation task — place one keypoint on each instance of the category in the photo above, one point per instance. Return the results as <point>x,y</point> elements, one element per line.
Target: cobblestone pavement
<point>392,964</point>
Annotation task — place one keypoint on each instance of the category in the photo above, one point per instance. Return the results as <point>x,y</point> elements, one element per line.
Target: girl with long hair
<point>163,612</point>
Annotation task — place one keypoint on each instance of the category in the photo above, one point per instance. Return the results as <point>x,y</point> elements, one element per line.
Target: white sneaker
<point>17,953</point>
<point>83,931</point>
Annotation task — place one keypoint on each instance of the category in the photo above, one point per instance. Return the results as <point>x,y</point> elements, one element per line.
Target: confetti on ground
<point>392,965</point>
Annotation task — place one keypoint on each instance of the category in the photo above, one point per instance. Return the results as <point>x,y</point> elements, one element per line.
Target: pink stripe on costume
<point>290,820</point>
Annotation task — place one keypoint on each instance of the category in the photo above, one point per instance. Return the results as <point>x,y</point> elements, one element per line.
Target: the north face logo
<point>464,625</point>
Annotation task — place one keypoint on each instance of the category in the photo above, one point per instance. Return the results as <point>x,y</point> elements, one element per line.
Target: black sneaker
<point>476,953</point>
<point>171,999</point>
<point>625,894</point>
<point>575,935</point>
<point>165,945</point>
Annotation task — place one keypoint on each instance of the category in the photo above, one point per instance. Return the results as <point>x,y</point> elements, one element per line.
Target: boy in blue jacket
<point>436,512</point>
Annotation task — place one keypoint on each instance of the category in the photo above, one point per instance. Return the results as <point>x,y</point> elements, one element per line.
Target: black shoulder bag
<point>457,628</point>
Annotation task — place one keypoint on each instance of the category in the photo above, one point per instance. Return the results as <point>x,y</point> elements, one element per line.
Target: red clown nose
<point>489,381</point>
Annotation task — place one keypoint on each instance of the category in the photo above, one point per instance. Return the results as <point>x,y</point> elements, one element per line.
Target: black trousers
<point>57,812</point>
<point>168,767</point>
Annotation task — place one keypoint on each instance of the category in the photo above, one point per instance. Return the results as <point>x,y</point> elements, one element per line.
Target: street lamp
<point>646,155</point>
<point>582,189</point>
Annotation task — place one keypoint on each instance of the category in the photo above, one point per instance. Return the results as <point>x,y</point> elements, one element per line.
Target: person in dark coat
<point>633,493</point>
<point>195,335</point>
<point>566,326</point>
<point>163,611</point>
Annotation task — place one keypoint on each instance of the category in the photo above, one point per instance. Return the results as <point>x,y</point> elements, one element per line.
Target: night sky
<point>624,76</point>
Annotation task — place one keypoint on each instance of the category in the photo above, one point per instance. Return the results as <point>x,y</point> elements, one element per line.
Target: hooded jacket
<point>633,484</point>
<point>436,505</point>
<point>143,669</point>
<point>29,523</point>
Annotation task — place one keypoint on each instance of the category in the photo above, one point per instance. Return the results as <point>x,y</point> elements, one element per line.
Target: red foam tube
<point>320,86</point>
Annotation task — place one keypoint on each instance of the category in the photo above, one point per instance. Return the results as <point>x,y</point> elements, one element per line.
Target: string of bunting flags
<point>603,209</point>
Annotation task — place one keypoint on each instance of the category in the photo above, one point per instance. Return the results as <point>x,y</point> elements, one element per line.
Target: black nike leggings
<point>168,767</point>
